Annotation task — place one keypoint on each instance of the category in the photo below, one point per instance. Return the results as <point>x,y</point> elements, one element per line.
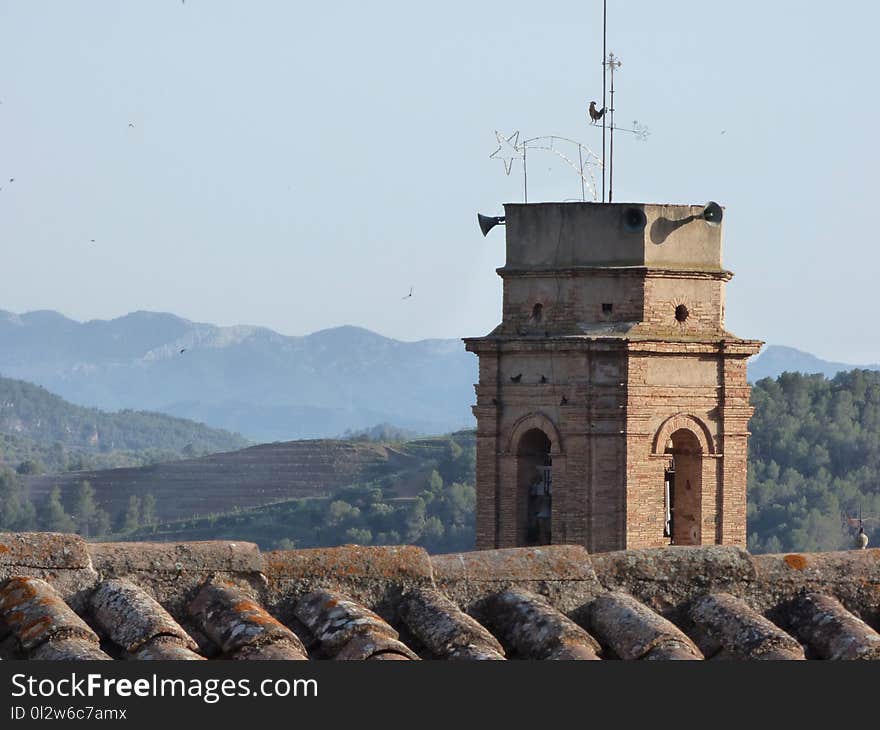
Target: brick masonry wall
<point>568,299</point>
<point>620,400</point>
<point>635,294</point>
<point>610,402</point>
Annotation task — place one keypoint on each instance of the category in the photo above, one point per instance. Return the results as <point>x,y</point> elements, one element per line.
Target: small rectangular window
<point>607,308</point>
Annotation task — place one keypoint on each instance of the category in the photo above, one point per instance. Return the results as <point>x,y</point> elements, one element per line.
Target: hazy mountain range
<point>249,380</point>
<point>776,359</point>
<point>262,384</point>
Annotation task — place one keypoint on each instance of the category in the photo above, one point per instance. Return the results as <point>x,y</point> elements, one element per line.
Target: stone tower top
<point>553,236</point>
<point>613,406</point>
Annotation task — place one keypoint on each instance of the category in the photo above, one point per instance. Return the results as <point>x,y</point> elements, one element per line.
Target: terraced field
<point>245,479</point>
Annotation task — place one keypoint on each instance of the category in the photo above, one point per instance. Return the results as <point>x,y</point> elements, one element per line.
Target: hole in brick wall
<point>681,313</point>
<point>607,308</point>
<point>538,312</point>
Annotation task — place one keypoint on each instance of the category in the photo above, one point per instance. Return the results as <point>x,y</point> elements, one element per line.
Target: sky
<point>303,165</point>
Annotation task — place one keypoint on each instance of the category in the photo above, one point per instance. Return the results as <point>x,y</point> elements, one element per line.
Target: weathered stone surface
<point>430,597</point>
<point>200,558</point>
<point>131,618</point>
<point>853,576</point>
<point>61,560</point>
<point>336,621</point>
<point>35,613</point>
<point>562,573</point>
<point>370,645</point>
<point>634,631</point>
<point>529,626</point>
<point>724,623</point>
<point>174,572</point>
<point>67,649</point>
<point>166,648</point>
<point>445,629</point>
<point>231,616</point>
<point>386,563</point>
<point>666,578</point>
<point>830,630</point>
<point>47,550</point>
<point>277,650</point>
<point>375,576</point>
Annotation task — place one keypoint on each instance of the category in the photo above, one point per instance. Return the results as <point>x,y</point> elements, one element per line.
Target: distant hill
<point>255,476</point>
<point>36,424</point>
<point>250,380</point>
<point>777,359</point>
<point>267,386</point>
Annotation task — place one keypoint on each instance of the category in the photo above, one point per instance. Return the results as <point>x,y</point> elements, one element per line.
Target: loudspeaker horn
<point>634,220</point>
<point>488,222</point>
<point>712,213</point>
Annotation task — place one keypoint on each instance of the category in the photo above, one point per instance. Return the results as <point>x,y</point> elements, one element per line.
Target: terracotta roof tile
<point>727,627</point>
<point>830,630</point>
<point>345,629</point>
<point>234,619</point>
<point>528,625</point>
<point>58,594</point>
<point>445,630</point>
<point>634,631</point>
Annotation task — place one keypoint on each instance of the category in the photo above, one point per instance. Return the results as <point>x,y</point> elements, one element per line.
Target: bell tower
<point>612,405</point>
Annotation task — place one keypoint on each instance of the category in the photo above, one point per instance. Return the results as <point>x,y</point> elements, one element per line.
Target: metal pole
<point>525,177</point>
<point>611,63</point>
<point>604,69</point>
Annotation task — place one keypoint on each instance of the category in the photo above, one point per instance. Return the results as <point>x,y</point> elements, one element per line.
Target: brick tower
<point>613,407</point>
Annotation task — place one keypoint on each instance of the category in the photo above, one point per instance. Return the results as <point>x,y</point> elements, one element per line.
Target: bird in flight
<point>92,240</point>
<point>12,179</point>
<point>182,350</point>
<point>131,124</point>
<point>516,378</point>
<point>408,295</point>
<point>596,114</point>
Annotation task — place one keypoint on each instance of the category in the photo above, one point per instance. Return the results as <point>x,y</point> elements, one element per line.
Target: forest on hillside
<point>41,432</point>
<point>814,463</point>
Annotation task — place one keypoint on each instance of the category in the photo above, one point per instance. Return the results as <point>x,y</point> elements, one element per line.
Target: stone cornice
<point>638,271</point>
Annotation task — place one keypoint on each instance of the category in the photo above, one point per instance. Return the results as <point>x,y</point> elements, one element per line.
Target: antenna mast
<point>612,63</point>
<point>604,37</point>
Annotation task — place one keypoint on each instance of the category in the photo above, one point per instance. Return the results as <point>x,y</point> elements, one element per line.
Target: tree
<point>148,510</point>
<point>358,536</point>
<point>132,518</point>
<point>432,535</point>
<point>52,517</point>
<point>30,466</point>
<point>11,503</point>
<point>84,507</point>
<point>102,523</point>
<point>90,519</point>
<point>435,482</point>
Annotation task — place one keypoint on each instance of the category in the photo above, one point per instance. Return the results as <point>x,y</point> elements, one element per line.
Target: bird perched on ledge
<point>596,114</point>
<point>862,539</point>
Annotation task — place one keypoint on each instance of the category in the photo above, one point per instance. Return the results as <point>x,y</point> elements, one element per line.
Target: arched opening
<point>534,486</point>
<point>683,478</point>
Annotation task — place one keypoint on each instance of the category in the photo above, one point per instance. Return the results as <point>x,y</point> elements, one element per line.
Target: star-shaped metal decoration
<point>509,150</point>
